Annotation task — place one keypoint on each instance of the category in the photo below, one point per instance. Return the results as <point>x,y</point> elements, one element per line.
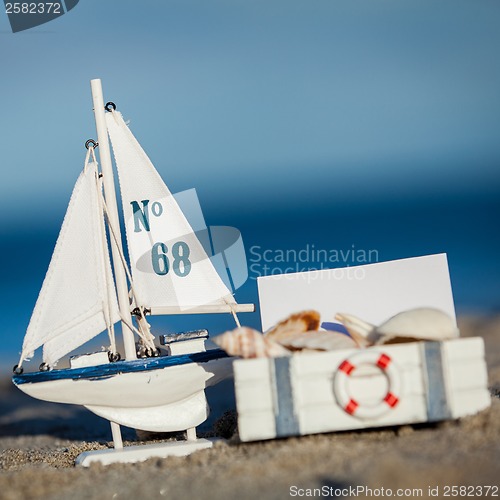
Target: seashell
<point>358,329</point>
<point>319,341</point>
<point>296,323</point>
<point>423,323</point>
<point>249,343</point>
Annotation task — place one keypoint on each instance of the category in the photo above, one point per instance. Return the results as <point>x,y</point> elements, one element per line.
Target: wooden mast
<point>110,195</point>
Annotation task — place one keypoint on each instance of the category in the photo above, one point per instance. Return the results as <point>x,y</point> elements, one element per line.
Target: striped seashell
<point>319,341</point>
<point>301,322</point>
<point>249,343</point>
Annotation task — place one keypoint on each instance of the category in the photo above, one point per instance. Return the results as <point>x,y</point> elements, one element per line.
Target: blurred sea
<point>466,228</point>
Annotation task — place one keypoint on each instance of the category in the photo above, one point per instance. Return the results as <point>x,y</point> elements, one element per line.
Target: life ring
<point>341,385</point>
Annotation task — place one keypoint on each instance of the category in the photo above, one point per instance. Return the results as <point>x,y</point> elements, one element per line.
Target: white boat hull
<point>158,400</point>
<point>181,415</point>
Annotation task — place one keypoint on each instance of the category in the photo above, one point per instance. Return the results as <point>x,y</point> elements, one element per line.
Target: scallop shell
<point>423,323</point>
<point>296,323</point>
<point>319,341</point>
<point>249,343</point>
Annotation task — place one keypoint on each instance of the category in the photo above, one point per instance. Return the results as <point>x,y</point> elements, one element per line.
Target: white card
<point>373,292</point>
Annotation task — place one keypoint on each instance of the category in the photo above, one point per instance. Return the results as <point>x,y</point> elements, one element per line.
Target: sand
<point>39,443</point>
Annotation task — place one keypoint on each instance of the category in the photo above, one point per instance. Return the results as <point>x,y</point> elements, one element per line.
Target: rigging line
<point>107,310</point>
<point>146,336</point>
<point>233,312</point>
<point>137,332</point>
<point>108,313</point>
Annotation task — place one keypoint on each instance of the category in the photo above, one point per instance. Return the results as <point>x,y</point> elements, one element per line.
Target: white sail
<point>76,301</point>
<point>170,267</point>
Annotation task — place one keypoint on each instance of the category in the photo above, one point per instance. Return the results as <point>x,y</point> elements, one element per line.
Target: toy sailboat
<point>171,273</point>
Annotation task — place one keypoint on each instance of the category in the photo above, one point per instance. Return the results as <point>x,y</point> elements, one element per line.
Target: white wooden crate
<point>356,389</point>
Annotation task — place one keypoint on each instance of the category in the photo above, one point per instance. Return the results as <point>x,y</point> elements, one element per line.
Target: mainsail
<point>76,301</point>
<point>169,265</point>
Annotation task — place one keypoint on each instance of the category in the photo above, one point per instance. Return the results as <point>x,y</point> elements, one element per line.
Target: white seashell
<point>358,329</point>
<point>424,323</point>
<point>249,343</point>
<point>319,340</point>
<point>296,323</point>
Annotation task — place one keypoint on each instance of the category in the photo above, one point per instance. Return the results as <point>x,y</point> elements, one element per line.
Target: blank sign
<point>373,292</point>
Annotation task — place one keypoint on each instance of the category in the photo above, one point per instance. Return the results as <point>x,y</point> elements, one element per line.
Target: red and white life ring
<point>341,385</point>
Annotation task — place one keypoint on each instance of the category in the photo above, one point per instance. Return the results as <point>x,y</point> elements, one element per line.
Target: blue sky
<point>260,101</point>
<point>365,123</point>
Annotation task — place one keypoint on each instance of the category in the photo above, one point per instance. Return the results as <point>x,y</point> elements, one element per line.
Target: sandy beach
<point>40,441</point>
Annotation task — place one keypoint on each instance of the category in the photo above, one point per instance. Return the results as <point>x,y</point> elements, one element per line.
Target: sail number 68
<point>180,254</point>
